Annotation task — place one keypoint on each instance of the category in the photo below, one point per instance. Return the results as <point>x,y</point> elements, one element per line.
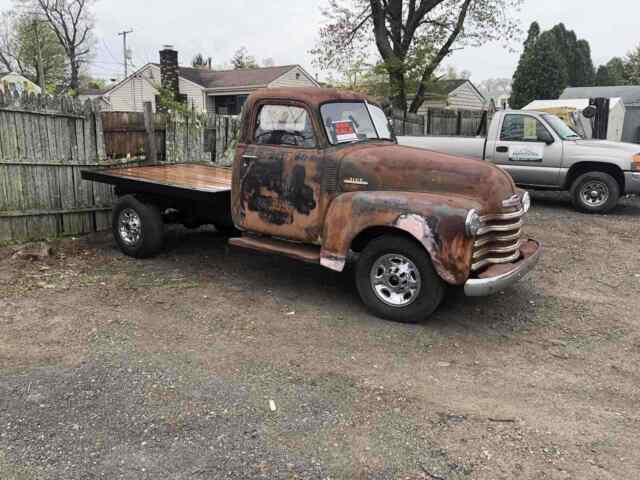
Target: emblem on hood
<point>355,181</point>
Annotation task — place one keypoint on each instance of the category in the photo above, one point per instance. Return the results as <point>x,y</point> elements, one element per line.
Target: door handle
<point>502,149</point>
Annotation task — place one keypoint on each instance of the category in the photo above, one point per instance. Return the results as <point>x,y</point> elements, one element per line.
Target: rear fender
<point>436,221</point>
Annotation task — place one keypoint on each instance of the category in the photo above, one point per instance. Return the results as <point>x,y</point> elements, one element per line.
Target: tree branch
<point>442,53</point>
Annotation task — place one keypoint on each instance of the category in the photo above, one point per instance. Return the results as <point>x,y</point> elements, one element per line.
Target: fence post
<point>151,147</point>
<point>459,123</point>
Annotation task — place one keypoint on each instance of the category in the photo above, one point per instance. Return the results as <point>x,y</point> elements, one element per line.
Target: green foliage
<point>168,101</point>
<point>541,72</point>
<point>602,76</point>
<point>412,37</point>
<point>551,61</point>
<point>37,43</point>
<point>241,60</point>
<point>632,67</point>
<point>200,61</point>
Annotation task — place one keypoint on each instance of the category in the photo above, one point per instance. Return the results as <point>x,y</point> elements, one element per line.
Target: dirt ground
<point>170,368</point>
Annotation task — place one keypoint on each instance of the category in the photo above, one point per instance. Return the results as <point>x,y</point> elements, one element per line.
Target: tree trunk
<point>398,90</point>
<point>74,81</point>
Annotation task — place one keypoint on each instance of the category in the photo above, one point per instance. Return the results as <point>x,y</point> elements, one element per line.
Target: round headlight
<point>473,223</point>
<point>526,202</point>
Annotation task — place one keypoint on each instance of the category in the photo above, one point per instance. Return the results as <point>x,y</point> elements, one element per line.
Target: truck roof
<point>314,97</point>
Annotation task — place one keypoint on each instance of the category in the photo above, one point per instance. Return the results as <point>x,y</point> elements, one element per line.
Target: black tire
<point>431,291</point>
<point>227,230</point>
<point>605,197</point>
<point>150,239</point>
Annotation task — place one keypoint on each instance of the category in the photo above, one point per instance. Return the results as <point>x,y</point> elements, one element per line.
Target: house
<point>456,94</point>
<point>205,90</point>
<point>630,96</point>
<point>14,83</point>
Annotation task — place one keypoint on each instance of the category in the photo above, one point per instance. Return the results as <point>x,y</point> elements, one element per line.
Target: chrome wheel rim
<point>594,194</point>
<point>129,226</point>
<point>395,280</point>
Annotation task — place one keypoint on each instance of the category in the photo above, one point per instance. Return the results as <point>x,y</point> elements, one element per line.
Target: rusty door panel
<point>280,192</point>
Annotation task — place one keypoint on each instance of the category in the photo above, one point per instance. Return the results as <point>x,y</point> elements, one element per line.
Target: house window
<point>229,104</point>
<point>297,75</point>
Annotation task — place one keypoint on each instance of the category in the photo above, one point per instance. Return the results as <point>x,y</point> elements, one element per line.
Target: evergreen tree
<point>632,67</point>
<point>617,72</point>
<point>602,76</point>
<point>541,72</point>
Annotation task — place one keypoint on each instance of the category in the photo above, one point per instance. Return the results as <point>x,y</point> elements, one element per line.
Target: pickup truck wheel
<point>396,280</point>
<point>595,192</point>
<point>137,227</point>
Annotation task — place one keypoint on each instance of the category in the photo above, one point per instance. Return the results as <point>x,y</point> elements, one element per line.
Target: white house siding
<point>130,95</point>
<point>289,79</point>
<point>464,97</point>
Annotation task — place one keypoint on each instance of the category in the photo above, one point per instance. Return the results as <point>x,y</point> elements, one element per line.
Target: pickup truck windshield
<point>354,121</point>
<point>561,128</point>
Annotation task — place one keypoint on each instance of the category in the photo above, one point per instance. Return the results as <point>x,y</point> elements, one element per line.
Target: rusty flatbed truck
<point>318,176</point>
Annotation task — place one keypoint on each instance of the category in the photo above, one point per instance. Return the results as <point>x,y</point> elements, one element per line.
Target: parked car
<point>541,152</point>
<point>318,177</point>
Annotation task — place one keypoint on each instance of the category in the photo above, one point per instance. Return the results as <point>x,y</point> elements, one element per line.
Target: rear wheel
<point>396,280</point>
<point>137,227</point>
<point>595,192</point>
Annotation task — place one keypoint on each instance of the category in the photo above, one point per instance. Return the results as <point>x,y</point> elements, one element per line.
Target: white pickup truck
<point>541,152</point>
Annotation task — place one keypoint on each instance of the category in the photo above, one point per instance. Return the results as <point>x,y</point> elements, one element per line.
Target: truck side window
<point>523,128</point>
<point>284,125</point>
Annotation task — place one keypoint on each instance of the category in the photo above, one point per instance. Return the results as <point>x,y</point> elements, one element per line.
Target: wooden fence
<point>44,143</point>
<point>179,137</point>
<point>439,121</point>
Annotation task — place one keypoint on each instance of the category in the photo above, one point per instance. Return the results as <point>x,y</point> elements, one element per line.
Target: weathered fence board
<point>44,143</point>
<point>440,121</point>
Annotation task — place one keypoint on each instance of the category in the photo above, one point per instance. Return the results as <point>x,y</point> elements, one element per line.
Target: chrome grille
<point>499,238</point>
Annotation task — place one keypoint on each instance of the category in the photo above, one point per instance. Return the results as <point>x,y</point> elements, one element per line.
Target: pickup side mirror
<point>546,137</point>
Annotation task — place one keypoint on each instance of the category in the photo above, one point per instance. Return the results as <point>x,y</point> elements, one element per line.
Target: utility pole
<point>124,51</point>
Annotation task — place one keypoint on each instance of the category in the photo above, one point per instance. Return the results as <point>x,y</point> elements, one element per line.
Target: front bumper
<point>498,277</point>
<point>632,183</point>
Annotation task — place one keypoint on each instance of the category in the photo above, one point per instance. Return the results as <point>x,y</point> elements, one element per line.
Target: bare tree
<point>412,37</point>
<point>72,23</point>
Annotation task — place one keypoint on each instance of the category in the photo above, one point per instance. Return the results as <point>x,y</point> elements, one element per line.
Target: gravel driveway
<point>209,362</point>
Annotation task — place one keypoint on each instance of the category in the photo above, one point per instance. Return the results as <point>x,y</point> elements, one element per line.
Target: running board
<point>299,251</point>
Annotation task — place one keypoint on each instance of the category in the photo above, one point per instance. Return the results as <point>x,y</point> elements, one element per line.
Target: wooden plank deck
<point>201,178</point>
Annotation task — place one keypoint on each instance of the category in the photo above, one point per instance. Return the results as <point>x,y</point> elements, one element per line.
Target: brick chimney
<point>169,73</point>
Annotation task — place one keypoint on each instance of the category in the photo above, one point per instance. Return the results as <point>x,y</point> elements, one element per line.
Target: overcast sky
<point>286,30</point>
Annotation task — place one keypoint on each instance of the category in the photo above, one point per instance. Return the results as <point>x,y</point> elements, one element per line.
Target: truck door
<point>529,150</point>
<point>280,174</point>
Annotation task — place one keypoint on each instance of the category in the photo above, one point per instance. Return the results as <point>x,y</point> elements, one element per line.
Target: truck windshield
<point>562,129</point>
<point>347,122</point>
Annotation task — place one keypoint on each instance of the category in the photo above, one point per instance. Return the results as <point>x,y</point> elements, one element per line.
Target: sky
<point>286,30</point>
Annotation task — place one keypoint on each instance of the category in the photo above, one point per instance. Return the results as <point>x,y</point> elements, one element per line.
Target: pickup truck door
<point>280,174</point>
<point>528,149</point>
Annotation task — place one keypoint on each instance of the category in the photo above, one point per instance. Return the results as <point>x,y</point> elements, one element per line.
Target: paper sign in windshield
<point>345,131</point>
<point>526,153</point>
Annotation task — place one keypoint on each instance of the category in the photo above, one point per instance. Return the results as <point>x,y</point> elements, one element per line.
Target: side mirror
<point>546,137</point>
<point>590,111</point>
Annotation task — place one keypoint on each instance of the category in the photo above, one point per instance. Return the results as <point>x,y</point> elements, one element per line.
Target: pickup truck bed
<point>190,181</point>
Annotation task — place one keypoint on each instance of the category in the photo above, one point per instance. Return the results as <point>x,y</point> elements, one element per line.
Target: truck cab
<point>319,176</point>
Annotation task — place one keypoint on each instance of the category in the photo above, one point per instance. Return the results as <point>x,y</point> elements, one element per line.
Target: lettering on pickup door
<point>526,153</point>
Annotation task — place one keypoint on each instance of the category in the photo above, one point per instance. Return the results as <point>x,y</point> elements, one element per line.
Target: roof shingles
<point>255,77</point>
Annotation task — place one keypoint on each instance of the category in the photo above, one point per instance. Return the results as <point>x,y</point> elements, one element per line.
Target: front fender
<point>436,221</point>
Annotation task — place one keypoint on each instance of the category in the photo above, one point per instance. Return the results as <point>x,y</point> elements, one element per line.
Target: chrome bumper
<point>505,274</point>
<point>632,183</point>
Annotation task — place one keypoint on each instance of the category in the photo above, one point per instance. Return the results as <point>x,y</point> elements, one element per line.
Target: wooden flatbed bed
<point>189,181</point>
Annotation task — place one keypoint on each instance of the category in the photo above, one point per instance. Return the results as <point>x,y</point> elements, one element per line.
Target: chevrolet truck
<point>541,152</point>
<point>318,176</point>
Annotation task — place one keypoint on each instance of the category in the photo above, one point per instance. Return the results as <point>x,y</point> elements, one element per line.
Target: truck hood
<point>391,167</point>
<point>622,147</point>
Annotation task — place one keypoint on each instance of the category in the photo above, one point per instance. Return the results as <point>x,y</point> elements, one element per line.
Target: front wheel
<point>595,192</point>
<point>396,280</point>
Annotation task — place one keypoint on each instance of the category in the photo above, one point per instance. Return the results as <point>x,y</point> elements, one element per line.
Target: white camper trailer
<point>570,110</point>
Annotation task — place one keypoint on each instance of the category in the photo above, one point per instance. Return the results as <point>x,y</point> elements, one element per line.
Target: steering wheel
<point>282,137</point>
